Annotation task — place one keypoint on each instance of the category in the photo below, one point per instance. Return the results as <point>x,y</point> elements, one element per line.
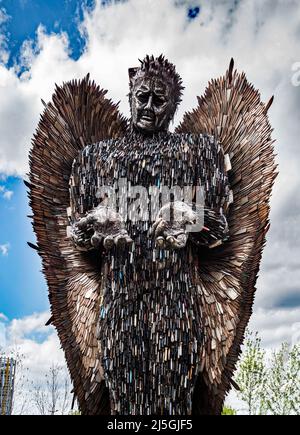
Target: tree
<point>40,399</point>
<point>251,375</point>
<point>283,386</point>
<point>76,412</point>
<point>52,396</point>
<point>227,410</point>
<point>269,386</point>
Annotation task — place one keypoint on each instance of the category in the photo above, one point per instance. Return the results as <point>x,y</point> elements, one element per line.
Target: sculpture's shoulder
<point>206,147</point>
<point>201,140</point>
<point>102,148</point>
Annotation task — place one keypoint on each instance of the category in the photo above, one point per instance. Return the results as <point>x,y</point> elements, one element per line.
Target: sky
<point>43,43</point>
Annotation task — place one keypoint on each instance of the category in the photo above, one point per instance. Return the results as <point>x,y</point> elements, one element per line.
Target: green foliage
<point>251,375</point>
<point>228,411</point>
<point>283,386</point>
<point>75,412</point>
<point>269,386</point>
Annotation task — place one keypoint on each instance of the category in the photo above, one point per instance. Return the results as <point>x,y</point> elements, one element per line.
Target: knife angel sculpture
<point>150,312</point>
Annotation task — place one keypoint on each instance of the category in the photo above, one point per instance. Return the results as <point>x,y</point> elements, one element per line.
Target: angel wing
<point>79,114</point>
<point>232,111</point>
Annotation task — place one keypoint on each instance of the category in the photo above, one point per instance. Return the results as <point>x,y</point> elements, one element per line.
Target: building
<point>7,378</point>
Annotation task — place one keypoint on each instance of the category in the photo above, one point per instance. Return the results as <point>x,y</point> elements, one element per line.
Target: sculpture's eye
<point>158,101</point>
<point>143,97</point>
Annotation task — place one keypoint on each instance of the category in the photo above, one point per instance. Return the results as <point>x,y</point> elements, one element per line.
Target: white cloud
<point>276,326</point>
<point>3,317</point>
<point>2,337</point>
<point>6,193</point>
<point>38,348</point>
<point>4,249</point>
<point>3,16</point>
<point>38,343</point>
<point>20,328</point>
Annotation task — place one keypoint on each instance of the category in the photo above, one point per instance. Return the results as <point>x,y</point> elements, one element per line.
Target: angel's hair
<point>161,68</point>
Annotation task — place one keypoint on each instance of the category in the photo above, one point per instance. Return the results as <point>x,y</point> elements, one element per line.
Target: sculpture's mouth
<point>148,118</point>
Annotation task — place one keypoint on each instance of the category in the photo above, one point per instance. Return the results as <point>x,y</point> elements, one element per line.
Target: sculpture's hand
<point>170,227</point>
<point>101,226</point>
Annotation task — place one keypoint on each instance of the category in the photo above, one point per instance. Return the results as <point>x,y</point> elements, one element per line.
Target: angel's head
<point>155,92</point>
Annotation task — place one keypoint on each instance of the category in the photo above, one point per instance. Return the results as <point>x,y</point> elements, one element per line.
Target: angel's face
<point>151,105</point>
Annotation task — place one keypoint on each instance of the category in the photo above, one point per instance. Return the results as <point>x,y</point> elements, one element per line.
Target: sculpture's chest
<point>174,160</point>
<point>177,161</point>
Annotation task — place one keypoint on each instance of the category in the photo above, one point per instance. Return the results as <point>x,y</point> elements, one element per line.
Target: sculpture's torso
<point>149,316</point>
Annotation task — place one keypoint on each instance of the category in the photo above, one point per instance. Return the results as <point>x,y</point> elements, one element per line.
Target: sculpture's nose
<point>149,102</point>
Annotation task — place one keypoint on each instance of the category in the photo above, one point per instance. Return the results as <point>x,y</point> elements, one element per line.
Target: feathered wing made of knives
<point>151,317</point>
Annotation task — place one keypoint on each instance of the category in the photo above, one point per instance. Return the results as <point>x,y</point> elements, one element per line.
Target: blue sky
<point>55,15</point>
<point>23,288</point>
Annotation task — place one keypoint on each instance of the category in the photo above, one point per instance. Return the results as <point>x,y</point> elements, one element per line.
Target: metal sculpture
<point>151,313</point>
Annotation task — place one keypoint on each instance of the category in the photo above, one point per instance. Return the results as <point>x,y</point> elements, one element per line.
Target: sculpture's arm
<point>203,224</point>
<point>177,222</point>
<point>214,231</point>
<point>92,227</point>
